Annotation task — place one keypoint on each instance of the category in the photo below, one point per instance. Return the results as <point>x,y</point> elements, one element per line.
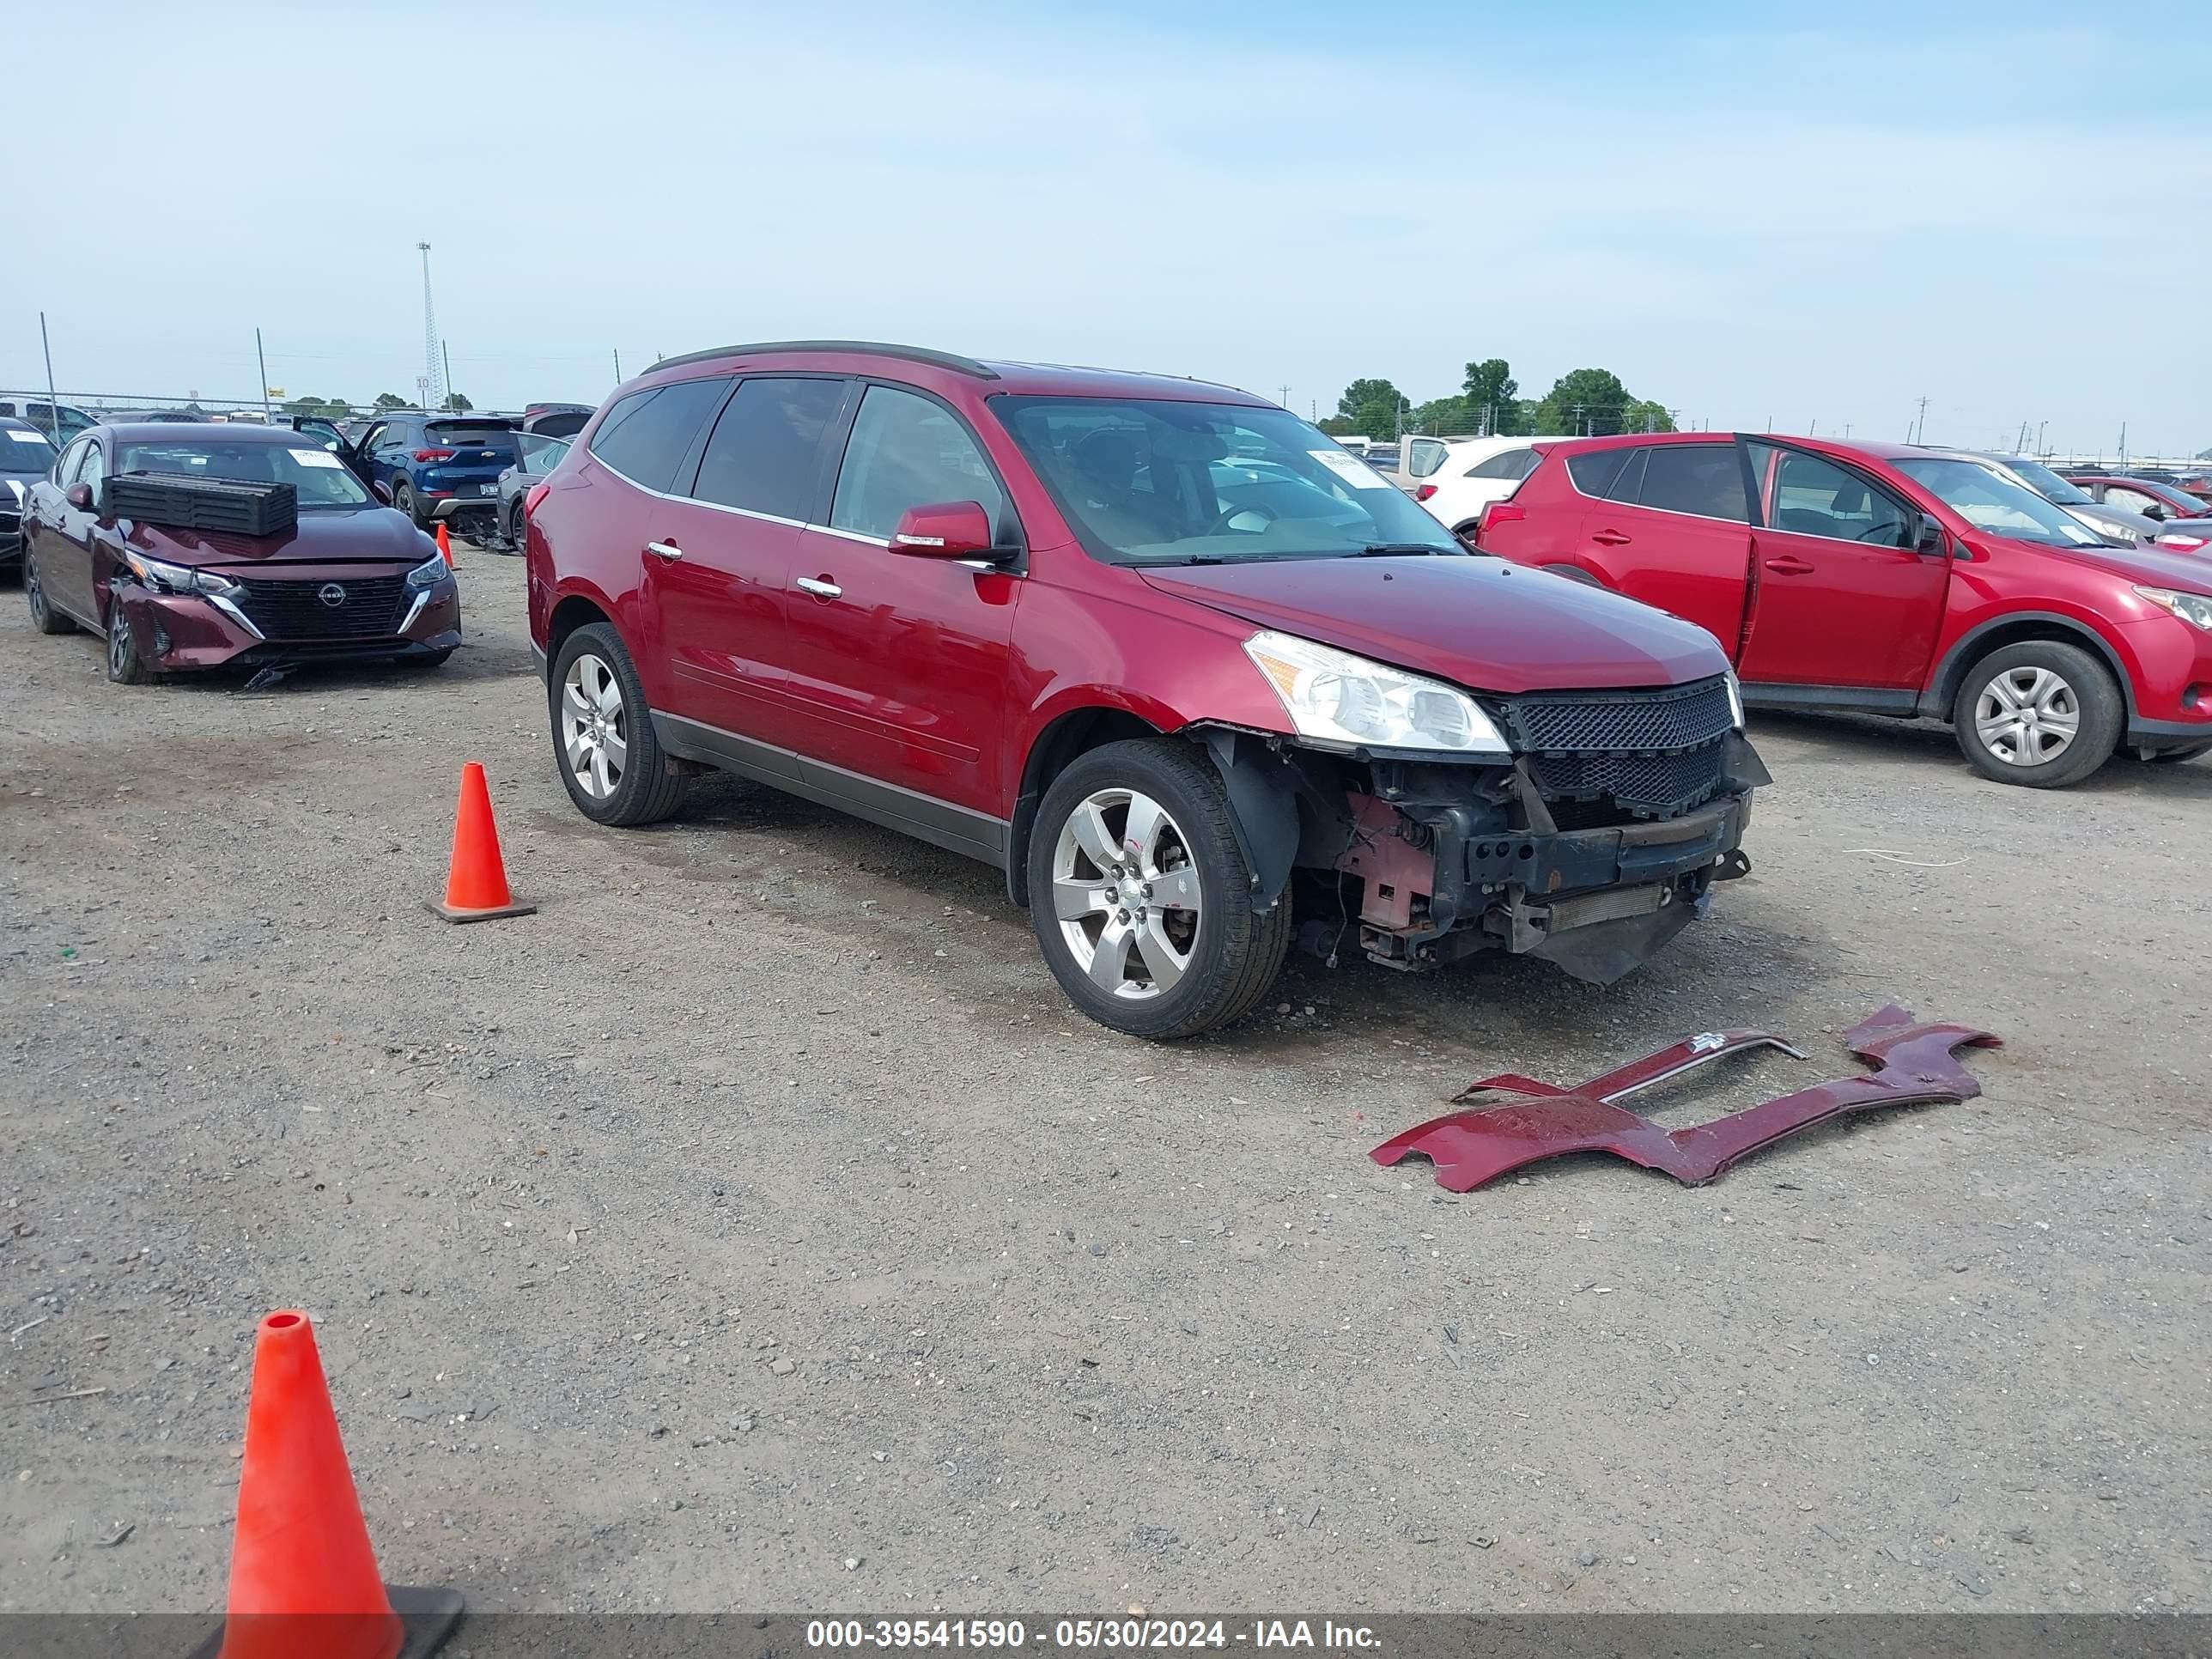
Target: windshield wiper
<point>1399,550</point>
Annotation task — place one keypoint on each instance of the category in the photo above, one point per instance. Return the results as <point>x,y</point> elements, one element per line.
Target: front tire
<point>2041,713</point>
<point>44,617</point>
<point>125,666</point>
<point>1140,897</point>
<point>610,756</point>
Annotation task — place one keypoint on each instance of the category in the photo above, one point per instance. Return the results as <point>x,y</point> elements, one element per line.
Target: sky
<point>1762,217</point>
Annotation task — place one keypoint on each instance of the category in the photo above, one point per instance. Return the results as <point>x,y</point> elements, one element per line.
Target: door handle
<point>1788,566</point>
<point>821,587</point>
<point>1610,538</point>
<point>667,550</point>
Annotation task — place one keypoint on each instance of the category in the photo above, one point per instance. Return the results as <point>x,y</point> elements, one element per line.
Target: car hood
<point>1479,622</point>
<point>2152,567</point>
<point>362,536</point>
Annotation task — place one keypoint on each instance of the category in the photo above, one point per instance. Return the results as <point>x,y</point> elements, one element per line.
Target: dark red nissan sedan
<point>193,546</point>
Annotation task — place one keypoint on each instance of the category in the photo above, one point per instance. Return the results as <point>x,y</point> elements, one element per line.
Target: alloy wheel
<point>1126,894</point>
<point>33,593</point>
<point>594,736</point>
<point>119,645</point>
<point>2027,716</point>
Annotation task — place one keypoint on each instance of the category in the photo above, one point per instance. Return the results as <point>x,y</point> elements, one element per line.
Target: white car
<point>1468,475</point>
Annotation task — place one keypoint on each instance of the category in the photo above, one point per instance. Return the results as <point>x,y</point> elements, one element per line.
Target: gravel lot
<point>755,1227</point>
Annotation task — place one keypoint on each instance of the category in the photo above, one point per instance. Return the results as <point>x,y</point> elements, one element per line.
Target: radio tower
<point>433,378</point>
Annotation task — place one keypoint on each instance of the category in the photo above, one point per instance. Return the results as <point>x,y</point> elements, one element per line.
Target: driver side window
<point>906,452</point>
<point>1814,497</point>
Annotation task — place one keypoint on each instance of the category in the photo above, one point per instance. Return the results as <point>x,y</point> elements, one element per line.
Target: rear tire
<point>1184,913</point>
<point>403,498</point>
<point>517,526</point>
<point>610,757</point>
<point>44,617</point>
<point>2042,713</point>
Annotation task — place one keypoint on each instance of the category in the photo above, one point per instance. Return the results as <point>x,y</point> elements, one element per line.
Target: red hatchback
<point>1886,579</point>
<point>1160,651</point>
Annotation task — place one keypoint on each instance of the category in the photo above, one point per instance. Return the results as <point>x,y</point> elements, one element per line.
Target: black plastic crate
<point>242,507</point>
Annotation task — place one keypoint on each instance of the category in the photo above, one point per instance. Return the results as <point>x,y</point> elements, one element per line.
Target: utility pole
<point>617,365</point>
<point>2039,449</point>
<point>1922,429</point>
<point>433,388</point>
<point>266,412</point>
<point>1813,430</point>
<point>53,399</point>
<point>1285,399</point>
<point>2123,443</point>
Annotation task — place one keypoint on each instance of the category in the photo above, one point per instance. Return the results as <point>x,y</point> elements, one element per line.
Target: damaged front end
<point>1594,844</point>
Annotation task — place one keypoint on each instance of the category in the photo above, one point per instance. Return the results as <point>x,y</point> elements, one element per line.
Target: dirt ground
<point>755,1227</point>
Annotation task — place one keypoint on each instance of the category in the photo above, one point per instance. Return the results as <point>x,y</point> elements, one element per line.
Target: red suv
<point>1159,650</point>
<point>1888,580</point>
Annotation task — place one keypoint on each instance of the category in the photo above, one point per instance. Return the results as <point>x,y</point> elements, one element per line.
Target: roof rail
<point>872,348</point>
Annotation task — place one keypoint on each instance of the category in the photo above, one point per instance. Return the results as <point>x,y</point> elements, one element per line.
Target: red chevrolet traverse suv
<point>1888,580</point>
<point>1159,650</point>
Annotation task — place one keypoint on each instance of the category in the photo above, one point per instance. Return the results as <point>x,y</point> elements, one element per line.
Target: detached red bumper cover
<point>1916,1063</point>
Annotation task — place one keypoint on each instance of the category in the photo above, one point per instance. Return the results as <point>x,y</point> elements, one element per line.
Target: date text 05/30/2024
<point>1128,1634</point>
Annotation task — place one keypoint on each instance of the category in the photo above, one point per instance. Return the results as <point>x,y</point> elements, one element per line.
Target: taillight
<point>434,454</point>
<point>1498,513</point>
<point>534,494</point>
<point>1425,492</point>
<point>2179,543</point>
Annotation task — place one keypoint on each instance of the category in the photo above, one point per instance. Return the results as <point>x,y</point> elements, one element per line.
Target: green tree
<point>1373,408</point>
<point>1493,393</point>
<point>457,404</point>
<point>1453,416</point>
<point>1637,415</point>
<point>386,400</point>
<point>330,409</point>
<point>1585,400</point>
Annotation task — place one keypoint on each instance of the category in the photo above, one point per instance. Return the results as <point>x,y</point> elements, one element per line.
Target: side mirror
<point>382,491</point>
<point>1930,539</point>
<point>79,496</point>
<point>944,530</point>
<point>2155,511</point>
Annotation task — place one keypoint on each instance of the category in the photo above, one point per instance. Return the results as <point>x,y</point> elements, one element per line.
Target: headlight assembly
<point>429,573</point>
<point>166,578</point>
<point>1333,696</point>
<point>2195,609</point>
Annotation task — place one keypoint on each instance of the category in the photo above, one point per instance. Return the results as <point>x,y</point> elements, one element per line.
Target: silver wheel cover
<point>1126,894</point>
<point>594,726</point>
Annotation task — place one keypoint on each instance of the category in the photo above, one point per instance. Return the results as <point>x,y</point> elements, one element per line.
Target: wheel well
<point>2020,631</point>
<point>571,614</point>
<point>1070,736</point>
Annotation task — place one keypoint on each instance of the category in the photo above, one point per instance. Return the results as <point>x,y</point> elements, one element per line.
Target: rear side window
<point>767,449</point>
<point>1594,471</point>
<point>646,435</point>
<point>908,452</point>
<point>1426,456</point>
<point>1517,464</point>
<point>1705,480</point>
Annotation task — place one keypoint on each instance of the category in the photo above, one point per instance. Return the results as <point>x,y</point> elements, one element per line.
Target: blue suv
<point>438,466</point>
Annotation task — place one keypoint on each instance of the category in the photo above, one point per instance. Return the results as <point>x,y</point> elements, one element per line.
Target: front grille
<point>1643,786</point>
<point>1648,754</point>
<point>295,610</point>
<point>1620,722</point>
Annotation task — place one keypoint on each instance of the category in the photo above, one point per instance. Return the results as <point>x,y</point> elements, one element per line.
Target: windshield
<point>318,478</point>
<point>1990,501</point>
<point>24,451</point>
<point>1159,482</point>
<point>2048,484</point>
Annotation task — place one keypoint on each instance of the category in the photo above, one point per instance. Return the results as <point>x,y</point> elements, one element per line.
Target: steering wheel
<point>1227,521</point>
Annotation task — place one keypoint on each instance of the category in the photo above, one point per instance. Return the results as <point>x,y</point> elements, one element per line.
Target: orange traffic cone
<point>303,1578</point>
<point>444,546</point>
<point>476,881</point>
